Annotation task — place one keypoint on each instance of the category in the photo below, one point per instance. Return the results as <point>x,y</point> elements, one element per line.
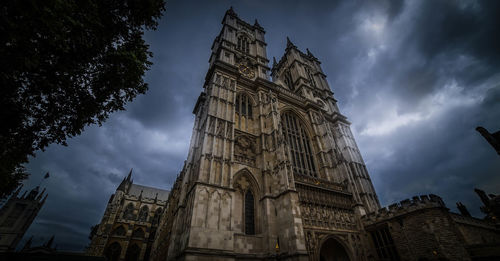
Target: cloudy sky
<point>414,77</point>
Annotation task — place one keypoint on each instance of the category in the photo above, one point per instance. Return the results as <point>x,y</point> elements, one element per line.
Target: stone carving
<point>244,149</point>
<point>242,183</point>
<point>318,181</point>
<point>325,209</point>
<point>318,119</point>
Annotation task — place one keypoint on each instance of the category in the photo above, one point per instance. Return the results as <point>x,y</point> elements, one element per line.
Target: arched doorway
<point>332,250</point>
<point>133,252</point>
<point>112,252</point>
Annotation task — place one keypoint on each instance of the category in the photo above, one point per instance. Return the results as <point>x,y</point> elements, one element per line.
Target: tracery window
<point>249,213</point>
<point>157,216</point>
<point>129,212</point>
<point>119,231</point>
<point>243,105</point>
<point>143,215</point>
<point>243,44</point>
<point>299,144</point>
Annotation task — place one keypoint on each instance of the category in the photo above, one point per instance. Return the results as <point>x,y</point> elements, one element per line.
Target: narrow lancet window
<point>249,213</point>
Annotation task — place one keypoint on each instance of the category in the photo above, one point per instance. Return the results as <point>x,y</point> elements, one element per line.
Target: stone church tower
<point>17,215</point>
<point>273,170</point>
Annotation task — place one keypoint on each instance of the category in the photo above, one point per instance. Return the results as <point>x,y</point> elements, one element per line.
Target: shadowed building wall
<point>128,227</point>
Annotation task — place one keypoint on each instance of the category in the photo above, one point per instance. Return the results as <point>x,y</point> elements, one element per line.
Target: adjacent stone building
<point>130,221</point>
<point>17,215</point>
<point>423,228</point>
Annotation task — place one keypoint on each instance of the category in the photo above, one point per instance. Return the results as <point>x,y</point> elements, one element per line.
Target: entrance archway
<point>113,251</point>
<point>332,250</point>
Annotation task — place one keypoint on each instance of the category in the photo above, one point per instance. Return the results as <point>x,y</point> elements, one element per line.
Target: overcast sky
<point>414,77</point>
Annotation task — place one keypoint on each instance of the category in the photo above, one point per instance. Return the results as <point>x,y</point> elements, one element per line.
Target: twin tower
<point>273,169</point>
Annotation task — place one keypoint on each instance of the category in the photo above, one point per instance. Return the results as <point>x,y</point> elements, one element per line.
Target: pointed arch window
<point>119,231</point>
<point>129,212</point>
<point>249,213</point>
<point>112,252</point>
<point>138,233</point>
<point>243,44</point>
<point>299,143</point>
<point>143,215</point>
<point>157,216</point>
<point>243,105</point>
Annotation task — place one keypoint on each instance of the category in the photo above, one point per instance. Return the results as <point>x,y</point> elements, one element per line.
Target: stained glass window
<point>300,146</point>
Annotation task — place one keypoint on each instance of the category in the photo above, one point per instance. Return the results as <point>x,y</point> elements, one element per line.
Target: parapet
<point>404,207</point>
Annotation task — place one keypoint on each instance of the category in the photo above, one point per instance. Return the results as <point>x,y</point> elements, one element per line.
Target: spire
<point>41,194</point>
<point>463,210</point>
<point>125,182</point>
<point>274,62</point>
<point>140,196</point>
<point>156,197</point>
<point>231,11</point>
<point>129,174</point>
<point>27,245</point>
<point>44,199</point>
<point>49,243</point>
<point>33,193</point>
<point>17,191</point>
<point>309,53</point>
<point>256,24</point>
<point>289,43</point>
<point>482,195</point>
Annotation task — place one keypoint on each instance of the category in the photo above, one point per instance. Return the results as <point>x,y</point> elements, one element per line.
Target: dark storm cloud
<point>414,77</point>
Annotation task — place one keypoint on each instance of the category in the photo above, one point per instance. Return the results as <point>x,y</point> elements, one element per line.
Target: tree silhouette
<point>65,65</point>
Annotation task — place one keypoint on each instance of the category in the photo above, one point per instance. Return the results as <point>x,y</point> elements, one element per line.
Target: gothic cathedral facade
<point>273,169</point>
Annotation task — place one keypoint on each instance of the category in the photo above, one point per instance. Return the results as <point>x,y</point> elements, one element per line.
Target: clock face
<point>246,71</point>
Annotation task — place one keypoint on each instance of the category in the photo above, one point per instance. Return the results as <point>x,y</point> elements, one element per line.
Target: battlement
<point>404,207</point>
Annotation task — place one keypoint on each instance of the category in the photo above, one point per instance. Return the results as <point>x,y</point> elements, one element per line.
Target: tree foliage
<point>65,65</point>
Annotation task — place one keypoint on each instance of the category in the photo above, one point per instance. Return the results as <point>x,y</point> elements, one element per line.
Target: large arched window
<point>129,212</point>
<point>243,105</point>
<point>299,144</point>
<point>243,44</point>
<point>112,252</point>
<point>119,231</point>
<point>143,215</point>
<point>249,213</point>
<point>157,216</point>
